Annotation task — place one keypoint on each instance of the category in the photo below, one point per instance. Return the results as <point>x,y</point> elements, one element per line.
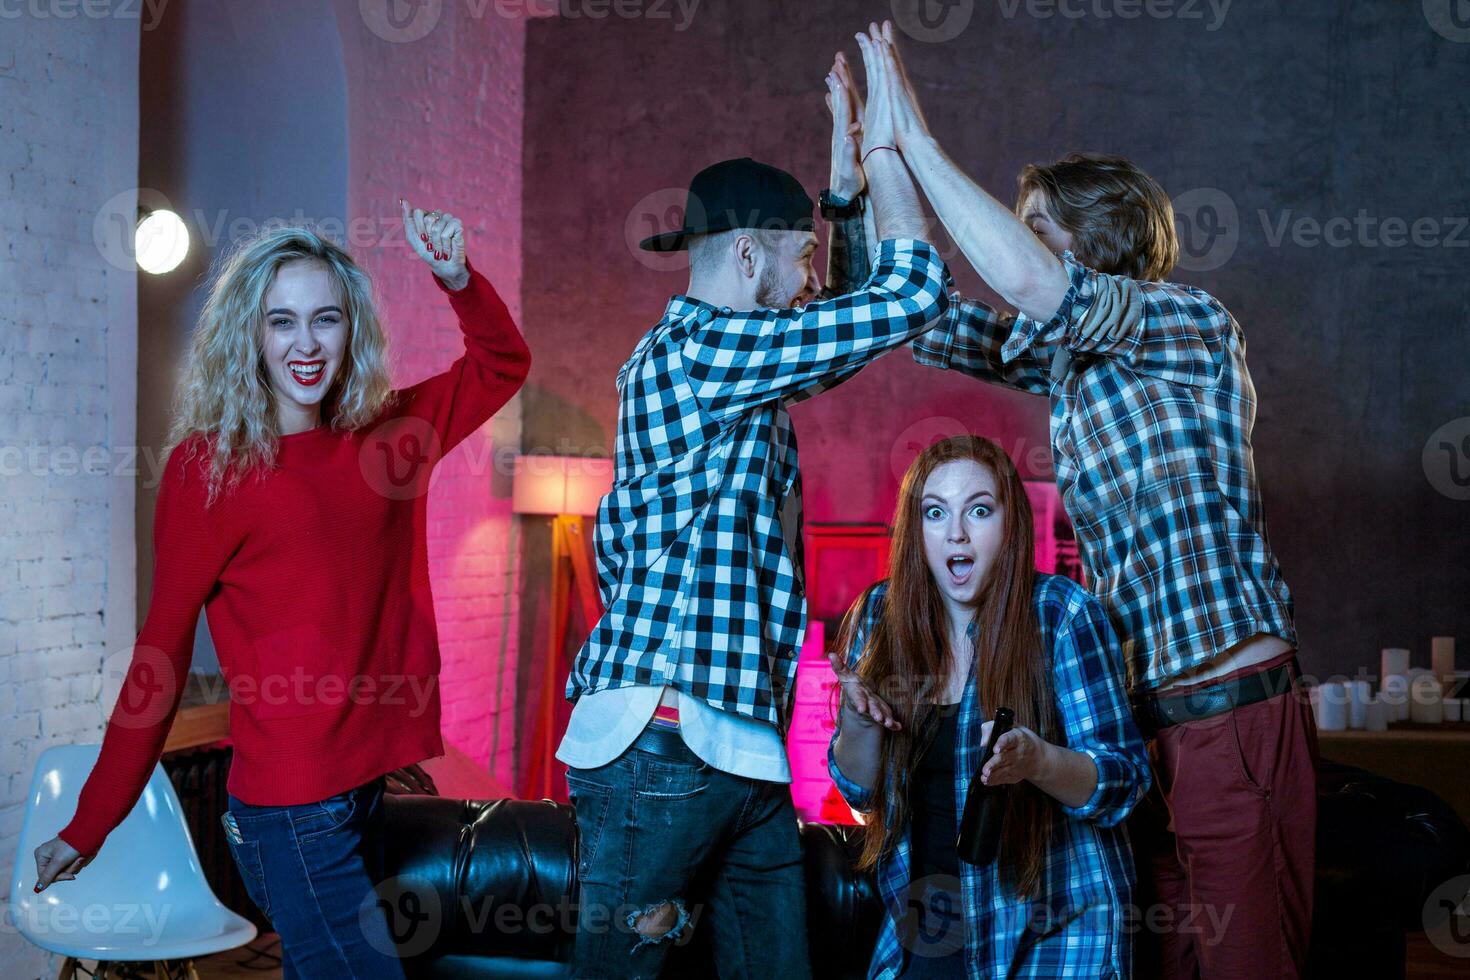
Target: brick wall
<point>437,119</point>
<point>68,340</point>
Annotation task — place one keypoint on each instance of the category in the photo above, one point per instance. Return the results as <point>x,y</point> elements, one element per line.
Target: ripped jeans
<point>670,844</point>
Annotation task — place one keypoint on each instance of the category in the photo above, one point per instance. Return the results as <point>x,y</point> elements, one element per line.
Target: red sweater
<point>315,579</point>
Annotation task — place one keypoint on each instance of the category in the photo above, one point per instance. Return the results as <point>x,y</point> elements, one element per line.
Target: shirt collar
<point>682,306</point>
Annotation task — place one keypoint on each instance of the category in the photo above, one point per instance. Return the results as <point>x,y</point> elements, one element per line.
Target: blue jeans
<point>311,868</point>
<point>682,842</point>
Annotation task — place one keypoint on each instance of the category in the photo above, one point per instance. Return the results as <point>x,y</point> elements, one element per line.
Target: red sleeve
<point>189,556</point>
<point>491,370</point>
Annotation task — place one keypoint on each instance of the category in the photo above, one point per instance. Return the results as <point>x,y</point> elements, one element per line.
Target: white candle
<point>1426,700</point>
<point>1395,697</point>
<point>1377,720</point>
<point>1442,657</point>
<point>1454,709</point>
<point>1358,693</point>
<point>1395,661</point>
<point>1330,701</point>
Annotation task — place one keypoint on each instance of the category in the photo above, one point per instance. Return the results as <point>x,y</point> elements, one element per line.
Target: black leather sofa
<point>488,889</point>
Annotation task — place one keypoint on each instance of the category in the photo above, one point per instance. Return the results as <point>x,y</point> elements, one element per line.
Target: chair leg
<point>190,973</point>
<point>68,969</point>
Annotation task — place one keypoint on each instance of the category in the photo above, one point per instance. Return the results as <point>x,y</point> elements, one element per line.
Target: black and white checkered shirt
<point>699,542</point>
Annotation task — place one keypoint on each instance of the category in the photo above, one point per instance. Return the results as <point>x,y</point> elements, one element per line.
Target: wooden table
<point>1436,758</point>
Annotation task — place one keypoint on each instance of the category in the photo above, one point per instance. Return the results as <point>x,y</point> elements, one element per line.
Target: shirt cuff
<point>936,348</point>
<point>1027,333</point>
<point>858,798</point>
<point>1118,790</point>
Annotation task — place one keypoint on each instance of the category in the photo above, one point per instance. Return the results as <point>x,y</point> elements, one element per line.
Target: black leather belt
<point>666,742</point>
<point>1161,711</point>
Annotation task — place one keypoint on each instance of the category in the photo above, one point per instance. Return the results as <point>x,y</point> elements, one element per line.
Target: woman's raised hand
<point>438,238</point>
<point>867,707</point>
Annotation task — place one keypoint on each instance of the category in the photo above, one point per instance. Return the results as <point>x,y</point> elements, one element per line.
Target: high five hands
<point>847,179</point>
<point>438,238</point>
<point>893,117</point>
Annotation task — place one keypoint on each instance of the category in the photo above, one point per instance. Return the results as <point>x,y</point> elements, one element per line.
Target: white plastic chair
<point>143,897</point>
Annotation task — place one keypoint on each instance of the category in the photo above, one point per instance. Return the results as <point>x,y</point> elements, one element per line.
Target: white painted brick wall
<point>68,340</point>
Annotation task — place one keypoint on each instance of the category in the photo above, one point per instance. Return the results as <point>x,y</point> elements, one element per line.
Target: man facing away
<point>678,768</point>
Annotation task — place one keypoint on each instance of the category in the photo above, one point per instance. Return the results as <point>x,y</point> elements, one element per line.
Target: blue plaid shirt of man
<point>1151,441</point>
<point>699,542</point>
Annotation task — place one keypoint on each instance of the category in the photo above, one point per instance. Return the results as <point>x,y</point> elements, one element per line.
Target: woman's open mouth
<point>307,373</point>
<point>960,568</point>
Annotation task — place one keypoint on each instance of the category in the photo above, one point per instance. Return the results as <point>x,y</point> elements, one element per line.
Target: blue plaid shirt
<point>1151,441</point>
<point>1075,926</point>
<point>699,542</point>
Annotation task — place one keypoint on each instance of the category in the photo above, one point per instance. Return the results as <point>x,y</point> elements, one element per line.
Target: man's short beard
<point>767,289</point>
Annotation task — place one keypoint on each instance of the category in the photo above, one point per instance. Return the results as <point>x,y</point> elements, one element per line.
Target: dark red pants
<point>1225,842</point>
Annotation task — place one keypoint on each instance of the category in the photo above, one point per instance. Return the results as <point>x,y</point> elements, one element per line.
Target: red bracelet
<point>864,161</point>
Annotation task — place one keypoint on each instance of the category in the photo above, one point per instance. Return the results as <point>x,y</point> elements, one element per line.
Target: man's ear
<point>746,252</point>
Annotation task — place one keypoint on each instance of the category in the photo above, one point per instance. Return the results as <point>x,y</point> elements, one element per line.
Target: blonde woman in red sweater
<point>292,510</point>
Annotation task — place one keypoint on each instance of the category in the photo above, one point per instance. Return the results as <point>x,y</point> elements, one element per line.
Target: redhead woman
<point>292,510</point>
<point>964,625</point>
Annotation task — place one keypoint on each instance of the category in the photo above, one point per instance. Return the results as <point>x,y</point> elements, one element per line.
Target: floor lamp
<point>567,489</point>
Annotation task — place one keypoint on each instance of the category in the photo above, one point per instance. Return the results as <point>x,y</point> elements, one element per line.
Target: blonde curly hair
<point>225,397</point>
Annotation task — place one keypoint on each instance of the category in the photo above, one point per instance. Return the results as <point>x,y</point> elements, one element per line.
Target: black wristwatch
<point>836,208</point>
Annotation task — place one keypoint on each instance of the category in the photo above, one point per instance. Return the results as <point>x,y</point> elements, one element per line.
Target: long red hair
<point>910,647</point>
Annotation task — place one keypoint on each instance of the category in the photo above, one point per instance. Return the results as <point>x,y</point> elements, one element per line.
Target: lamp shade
<point>560,484</point>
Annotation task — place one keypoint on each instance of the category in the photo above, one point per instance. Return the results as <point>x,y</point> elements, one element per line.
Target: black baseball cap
<point>738,194</point>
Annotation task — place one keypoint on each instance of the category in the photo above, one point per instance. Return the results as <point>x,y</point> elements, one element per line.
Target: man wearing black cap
<point>677,763</point>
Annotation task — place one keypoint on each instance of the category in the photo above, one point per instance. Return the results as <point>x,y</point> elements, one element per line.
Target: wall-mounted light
<point>161,241</point>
